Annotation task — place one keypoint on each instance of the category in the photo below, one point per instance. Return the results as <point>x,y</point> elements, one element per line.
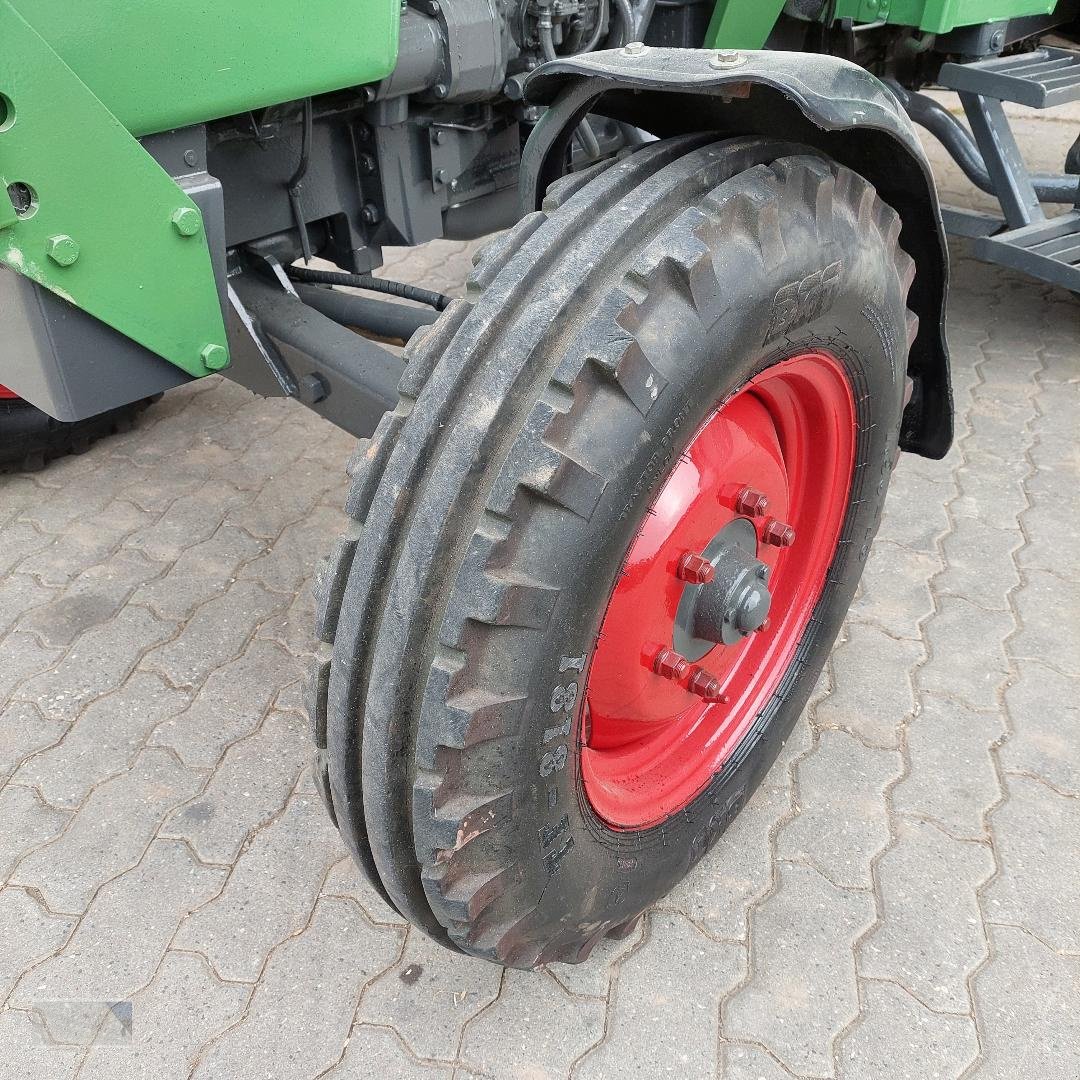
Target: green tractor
<point>611,507</point>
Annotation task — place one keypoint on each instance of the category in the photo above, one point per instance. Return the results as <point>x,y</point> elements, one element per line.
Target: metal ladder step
<point>1039,79</point>
<point>1048,249</point>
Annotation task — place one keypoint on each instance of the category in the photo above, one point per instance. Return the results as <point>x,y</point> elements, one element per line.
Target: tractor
<point>609,509</point>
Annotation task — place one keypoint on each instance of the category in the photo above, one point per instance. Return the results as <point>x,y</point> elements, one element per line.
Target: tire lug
<point>705,686</point>
<point>750,502</point>
<point>777,533</point>
<point>695,569</point>
<point>670,664</point>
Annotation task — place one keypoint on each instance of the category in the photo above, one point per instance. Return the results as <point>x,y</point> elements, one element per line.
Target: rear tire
<point>539,419</point>
<point>29,438</point>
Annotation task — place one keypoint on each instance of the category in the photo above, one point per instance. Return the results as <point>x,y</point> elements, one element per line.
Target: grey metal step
<point>1040,79</point>
<point>1048,249</point>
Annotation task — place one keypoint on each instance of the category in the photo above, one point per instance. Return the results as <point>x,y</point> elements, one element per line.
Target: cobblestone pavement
<point>899,900</point>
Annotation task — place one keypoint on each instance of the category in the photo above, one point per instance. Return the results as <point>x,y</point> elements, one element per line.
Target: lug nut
<point>777,533</point>
<point>670,664</point>
<point>751,503</point>
<point>705,686</point>
<point>695,569</point>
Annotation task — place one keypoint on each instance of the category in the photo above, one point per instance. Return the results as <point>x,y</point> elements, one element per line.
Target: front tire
<point>541,419</point>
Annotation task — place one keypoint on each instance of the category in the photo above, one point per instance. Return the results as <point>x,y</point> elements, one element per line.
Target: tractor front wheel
<point>603,545</point>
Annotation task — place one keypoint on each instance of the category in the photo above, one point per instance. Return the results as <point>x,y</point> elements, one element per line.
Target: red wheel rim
<point>6,394</point>
<point>655,731</point>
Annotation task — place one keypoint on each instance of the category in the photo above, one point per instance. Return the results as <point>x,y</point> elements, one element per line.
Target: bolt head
<point>751,503</point>
<point>777,533</point>
<point>62,249</point>
<point>635,48</point>
<point>441,90</point>
<point>215,357</point>
<point>726,58</point>
<point>696,570</point>
<point>370,214</point>
<point>187,221</point>
<point>670,664</point>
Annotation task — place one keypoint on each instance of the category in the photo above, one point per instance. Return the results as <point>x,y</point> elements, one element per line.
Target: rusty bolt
<point>705,686</point>
<point>751,503</point>
<point>777,533</point>
<point>670,664</point>
<point>695,569</point>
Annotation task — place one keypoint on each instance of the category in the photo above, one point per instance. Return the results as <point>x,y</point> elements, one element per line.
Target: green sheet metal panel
<point>107,228</point>
<point>742,24</point>
<point>940,16</point>
<point>161,64</point>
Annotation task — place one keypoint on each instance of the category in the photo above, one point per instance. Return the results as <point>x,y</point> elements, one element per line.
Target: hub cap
<point>716,590</point>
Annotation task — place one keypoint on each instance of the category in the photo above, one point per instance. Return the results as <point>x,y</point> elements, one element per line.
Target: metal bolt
<point>635,48</point>
<point>62,249</point>
<point>726,58</point>
<point>777,533</point>
<point>366,164</point>
<point>370,214</point>
<point>670,664</point>
<point>187,221</point>
<point>705,686</point>
<point>441,176</point>
<point>441,90</point>
<point>751,503</point>
<point>695,569</point>
<point>191,158</point>
<point>215,357</point>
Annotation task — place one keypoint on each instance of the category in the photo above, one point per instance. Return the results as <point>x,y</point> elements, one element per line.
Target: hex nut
<point>187,221</point>
<point>215,357</point>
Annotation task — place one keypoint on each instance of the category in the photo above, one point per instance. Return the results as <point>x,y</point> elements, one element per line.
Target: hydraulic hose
<point>438,301</point>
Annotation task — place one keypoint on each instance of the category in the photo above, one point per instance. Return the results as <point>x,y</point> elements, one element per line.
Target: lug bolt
<point>705,686</point>
<point>751,503</point>
<point>695,569</point>
<point>777,533</point>
<point>670,664</point>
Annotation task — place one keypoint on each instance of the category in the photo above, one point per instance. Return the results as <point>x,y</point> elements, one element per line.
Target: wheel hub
<point>717,589</point>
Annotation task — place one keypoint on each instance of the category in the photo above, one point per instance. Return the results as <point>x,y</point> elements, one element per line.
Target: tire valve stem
<point>671,665</point>
<point>694,569</point>
<point>706,686</point>
<point>751,503</point>
<point>777,533</point>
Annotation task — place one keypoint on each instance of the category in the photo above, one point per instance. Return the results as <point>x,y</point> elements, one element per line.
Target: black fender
<point>822,101</point>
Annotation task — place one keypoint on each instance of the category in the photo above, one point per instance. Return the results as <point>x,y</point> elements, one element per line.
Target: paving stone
<point>894,593</point>
<point>967,657</point>
<point>665,1007</point>
<point>24,731</point>
<point>190,520</point>
<point>292,629</point>
<point>29,934</point>
<point>25,824</point>
<point>719,891</point>
<point>918,530</point>
<point>979,564</point>
<point>216,632</point>
<point>297,552</point>
<point>991,489</point>
<point>269,894</point>
<point>91,599</point>
<point>1044,713</point>
<point>374,1053</point>
<point>593,977</point>
<point>24,1055</point>
<point>930,938</point>
<point>898,1038</point>
<point>287,1034</point>
<point>85,542</point>
<point>952,778</point>
<point>231,704</point>
<point>183,1008</point>
<point>1026,999</point>
<point>199,574</point>
<point>20,594</point>
<point>94,490</point>
<point>21,658</point>
<point>103,741</point>
<point>93,849</point>
<point>99,661</point>
<point>1052,527</point>
<point>1049,629</point>
<point>535,1029</point>
<point>288,496</point>
<point>871,695</point>
<point>1037,839</point>
<point>797,1008</point>
<point>247,789</point>
<point>121,939</point>
<point>18,541</point>
<point>842,822</point>
<point>429,996</point>
<point>155,490</point>
<point>345,879</point>
<point>740,1061</point>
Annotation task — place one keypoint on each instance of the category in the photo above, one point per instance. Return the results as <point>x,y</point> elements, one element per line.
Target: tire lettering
<point>803,301</point>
